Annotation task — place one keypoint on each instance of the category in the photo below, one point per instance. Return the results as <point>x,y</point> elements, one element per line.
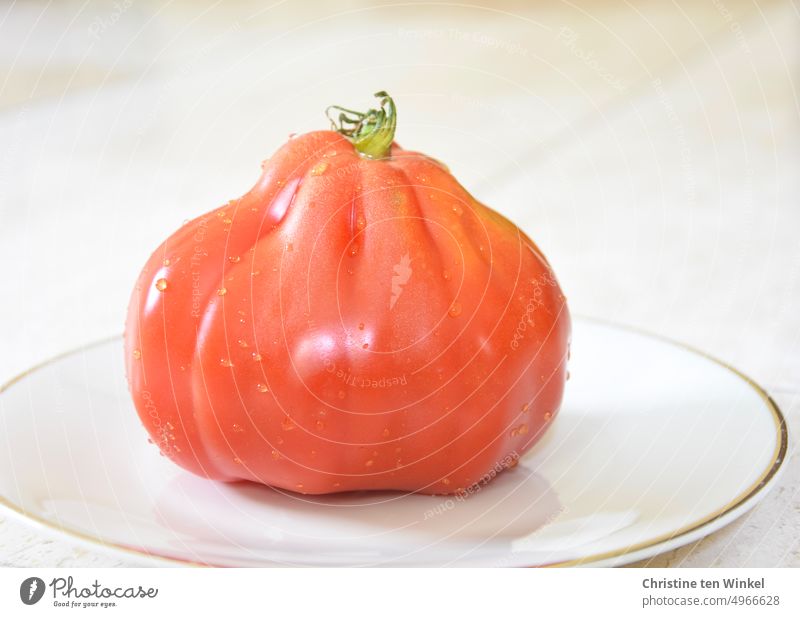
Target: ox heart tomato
<point>356,321</point>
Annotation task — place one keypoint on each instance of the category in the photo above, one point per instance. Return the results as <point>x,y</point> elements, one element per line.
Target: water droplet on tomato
<point>262,387</point>
<point>360,222</point>
<point>227,220</point>
<point>458,209</point>
<point>257,357</point>
<point>221,291</point>
<point>287,424</point>
<point>237,428</point>
<point>526,406</point>
<point>353,250</point>
<point>547,416</point>
<point>255,273</point>
<point>276,455</point>
<point>320,425</point>
<point>369,463</point>
<point>299,487</point>
<point>166,262</point>
<point>237,460</point>
<point>242,342</point>
<point>161,284</point>
<point>234,259</point>
<point>319,169</point>
<point>445,481</point>
<point>137,354</point>
<point>446,275</point>
<point>523,429</point>
<point>225,362</point>
<point>455,309</point>
<point>385,432</point>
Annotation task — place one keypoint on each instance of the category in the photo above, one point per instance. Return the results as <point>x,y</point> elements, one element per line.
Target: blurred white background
<point>651,149</point>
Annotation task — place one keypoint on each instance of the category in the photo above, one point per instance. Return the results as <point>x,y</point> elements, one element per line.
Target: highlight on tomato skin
<point>356,321</point>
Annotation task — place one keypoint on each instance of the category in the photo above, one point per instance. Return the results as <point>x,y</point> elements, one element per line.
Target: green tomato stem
<point>371,132</point>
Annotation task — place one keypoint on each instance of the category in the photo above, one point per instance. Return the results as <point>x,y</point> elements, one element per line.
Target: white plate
<point>656,446</point>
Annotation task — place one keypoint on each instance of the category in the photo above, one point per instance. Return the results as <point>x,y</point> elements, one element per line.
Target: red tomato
<point>356,321</point>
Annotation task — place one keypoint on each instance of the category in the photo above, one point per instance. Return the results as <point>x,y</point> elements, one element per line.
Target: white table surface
<point>652,151</point>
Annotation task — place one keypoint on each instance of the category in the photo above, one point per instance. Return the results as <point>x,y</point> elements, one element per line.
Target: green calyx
<point>371,132</point>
